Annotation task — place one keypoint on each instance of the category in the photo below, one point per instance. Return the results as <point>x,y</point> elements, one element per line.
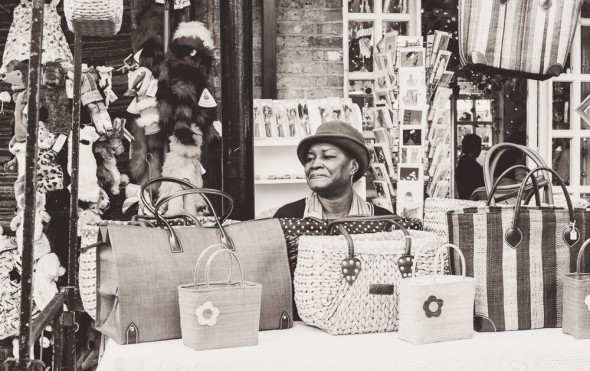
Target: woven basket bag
<point>348,284</point>
<point>436,307</point>
<point>94,17</point>
<point>576,300</point>
<point>219,314</point>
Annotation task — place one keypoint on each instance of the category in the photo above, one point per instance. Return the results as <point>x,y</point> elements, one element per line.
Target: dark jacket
<point>468,176</point>
<point>297,209</point>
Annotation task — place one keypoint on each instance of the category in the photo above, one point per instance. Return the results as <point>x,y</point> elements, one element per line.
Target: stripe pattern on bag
<point>516,289</point>
<point>528,36</point>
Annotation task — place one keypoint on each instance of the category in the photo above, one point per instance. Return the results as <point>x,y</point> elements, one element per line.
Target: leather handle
<point>581,256</point>
<point>202,256</point>
<point>505,173</point>
<point>493,156</point>
<point>181,182</point>
<point>225,239</point>
<point>183,216</point>
<point>392,219</point>
<point>571,234</point>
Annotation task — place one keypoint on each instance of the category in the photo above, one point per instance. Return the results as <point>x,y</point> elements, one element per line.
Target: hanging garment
<point>55,45</point>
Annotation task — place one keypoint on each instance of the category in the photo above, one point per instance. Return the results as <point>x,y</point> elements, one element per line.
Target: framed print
<point>440,65</point>
<point>412,57</point>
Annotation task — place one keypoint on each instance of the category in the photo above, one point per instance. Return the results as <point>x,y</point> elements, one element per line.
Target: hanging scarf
<point>314,209</point>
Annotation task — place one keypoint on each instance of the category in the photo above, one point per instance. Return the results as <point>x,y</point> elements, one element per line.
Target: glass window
<point>561,105</point>
<point>560,159</point>
<point>360,47</point>
<point>585,161</point>
<point>395,6</point>
<point>483,110</point>
<point>400,27</point>
<point>585,117</point>
<point>361,6</point>
<point>585,62</point>
<point>586,10</point>
<point>464,110</point>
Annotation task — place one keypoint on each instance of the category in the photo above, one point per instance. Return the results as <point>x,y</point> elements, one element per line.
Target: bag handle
<point>581,255</point>
<point>571,234</point>
<point>201,257</point>
<point>225,239</point>
<point>493,156</point>
<point>184,216</point>
<point>217,253</point>
<point>351,266</point>
<point>505,173</point>
<point>437,259</point>
<point>393,220</point>
<point>182,183</point>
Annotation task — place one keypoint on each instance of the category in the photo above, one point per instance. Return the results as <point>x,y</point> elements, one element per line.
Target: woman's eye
<point>308,159</point>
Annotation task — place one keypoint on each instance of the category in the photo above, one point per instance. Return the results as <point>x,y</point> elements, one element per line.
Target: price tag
<point>207,100</point>
<point>59,143</point>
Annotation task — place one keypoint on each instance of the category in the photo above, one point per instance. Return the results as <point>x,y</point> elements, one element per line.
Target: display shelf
<point>276,142</point>
<point>279,181</point>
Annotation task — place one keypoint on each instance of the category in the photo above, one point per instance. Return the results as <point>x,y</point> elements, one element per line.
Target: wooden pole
<point>30,181</point>
<point>236,104</point>
<point>269,49</point>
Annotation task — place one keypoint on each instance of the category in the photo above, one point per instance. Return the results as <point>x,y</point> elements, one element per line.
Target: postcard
<point>440,66</point>
<point>413,116</point>
<point>412,57</point>
<point>412,136</point>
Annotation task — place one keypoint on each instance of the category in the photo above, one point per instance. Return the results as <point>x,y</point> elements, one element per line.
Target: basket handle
<point>580,255</point>
<point>437,259</point>
<point>504,174</point>
<point>232,255</point>
<point>201,257</point>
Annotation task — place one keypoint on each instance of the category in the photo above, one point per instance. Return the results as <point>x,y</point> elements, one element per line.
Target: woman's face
<point>328,169</point>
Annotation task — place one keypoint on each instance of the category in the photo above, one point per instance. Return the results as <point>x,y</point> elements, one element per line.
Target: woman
<point>334,158</point>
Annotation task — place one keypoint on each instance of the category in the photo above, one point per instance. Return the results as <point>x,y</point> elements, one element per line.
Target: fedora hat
<point>344,136</point>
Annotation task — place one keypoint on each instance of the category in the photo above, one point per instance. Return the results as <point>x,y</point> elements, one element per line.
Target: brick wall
<point>309,47</point>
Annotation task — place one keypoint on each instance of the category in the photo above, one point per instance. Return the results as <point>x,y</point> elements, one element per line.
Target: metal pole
<point>71,289</point>
<point>236,104</point>
<point>30,181</point>
<point>269,49</point>
<point>167,24</point>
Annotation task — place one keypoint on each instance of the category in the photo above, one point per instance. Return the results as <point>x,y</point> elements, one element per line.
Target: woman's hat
<point>342,135</point>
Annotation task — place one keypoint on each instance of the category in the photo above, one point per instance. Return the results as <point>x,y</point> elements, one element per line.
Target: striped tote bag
<point>519,256</point>
<point>525,38</point>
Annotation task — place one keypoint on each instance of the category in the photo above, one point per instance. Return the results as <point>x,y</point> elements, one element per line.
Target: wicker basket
<point>436,308</point>
<point>94,17</point>
<point>576,301</point>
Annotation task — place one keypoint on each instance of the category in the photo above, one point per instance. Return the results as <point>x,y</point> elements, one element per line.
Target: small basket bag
<point>219,314</point>
<point>576,301</point>
<point>94,17</point>
<point>436,308</point>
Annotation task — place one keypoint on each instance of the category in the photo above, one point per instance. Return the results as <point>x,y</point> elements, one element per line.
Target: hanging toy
<point>106,84</point>
<point>4,98</point>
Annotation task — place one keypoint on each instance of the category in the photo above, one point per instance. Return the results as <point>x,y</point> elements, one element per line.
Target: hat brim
<point>352,147</point>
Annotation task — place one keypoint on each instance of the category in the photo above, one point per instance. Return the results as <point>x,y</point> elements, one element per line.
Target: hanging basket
<point>94,17</point>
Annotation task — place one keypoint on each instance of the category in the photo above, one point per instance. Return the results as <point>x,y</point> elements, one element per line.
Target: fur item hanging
<point>182,81</point>
<point>183,162</point>
<point>106,150</point>
<point>54,99</point>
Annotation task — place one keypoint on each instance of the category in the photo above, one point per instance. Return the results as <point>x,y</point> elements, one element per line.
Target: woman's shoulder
<point>291,210</point>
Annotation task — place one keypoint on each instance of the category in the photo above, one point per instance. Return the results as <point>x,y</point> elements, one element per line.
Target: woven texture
<point>436,308</point>
<point>138,275</point>
<point>576,300</point>
<point>435,213</point>
<point>530,38</point>
<point>221,314</point>
<point>94,17</point>
<point>323,297</point>
<point>517,288</point>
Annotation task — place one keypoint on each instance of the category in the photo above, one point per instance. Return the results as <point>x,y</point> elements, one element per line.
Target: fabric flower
<point>207,314</point>
<point>432,307</point>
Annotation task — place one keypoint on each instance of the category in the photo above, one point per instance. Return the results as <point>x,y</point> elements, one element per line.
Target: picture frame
<point>412,57</point>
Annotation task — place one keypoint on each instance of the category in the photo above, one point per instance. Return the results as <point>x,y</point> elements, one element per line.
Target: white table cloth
<point>304,348</point>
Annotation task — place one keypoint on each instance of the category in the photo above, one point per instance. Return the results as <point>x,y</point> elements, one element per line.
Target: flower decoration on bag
<point>207,314</point>
<point>587,301</point>
<point>432,307</point>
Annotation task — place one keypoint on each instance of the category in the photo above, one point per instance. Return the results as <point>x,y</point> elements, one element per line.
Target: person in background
<point>333,159</point>
<point>469,173</point>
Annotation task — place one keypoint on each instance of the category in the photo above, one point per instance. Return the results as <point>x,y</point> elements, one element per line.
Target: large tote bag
<point>139,270</point>
<point>348,284</point>
<point>526,38</point>
<point>518,256</point>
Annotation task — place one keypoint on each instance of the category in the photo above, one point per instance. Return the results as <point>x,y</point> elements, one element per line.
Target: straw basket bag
<point>219,314</point>
<point>435,307</point>
<point>94,17</point>
<point>348,284</point>
<point>576,300</point>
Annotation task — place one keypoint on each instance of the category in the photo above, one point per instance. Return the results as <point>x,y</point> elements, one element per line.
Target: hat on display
<point>343,135</point>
